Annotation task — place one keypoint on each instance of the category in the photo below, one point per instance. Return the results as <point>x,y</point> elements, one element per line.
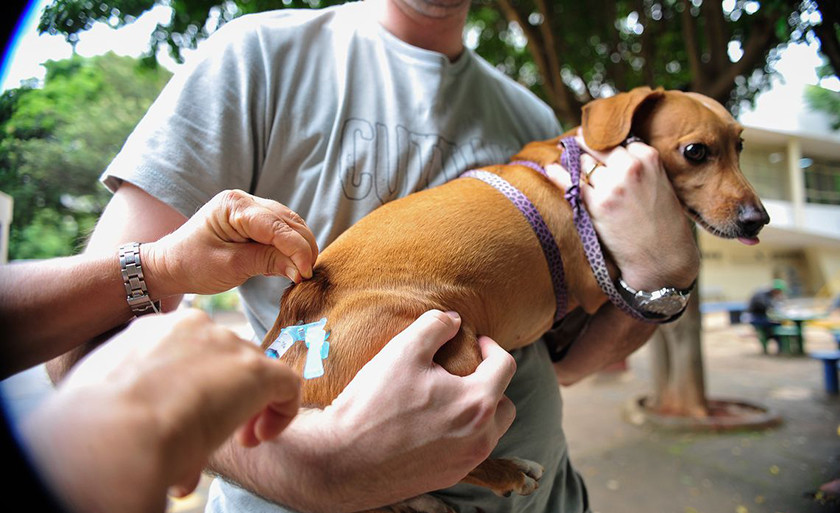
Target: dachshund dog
<point>450,248</point>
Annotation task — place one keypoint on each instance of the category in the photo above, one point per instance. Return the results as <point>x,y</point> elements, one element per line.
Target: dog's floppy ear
<point>606,122</point>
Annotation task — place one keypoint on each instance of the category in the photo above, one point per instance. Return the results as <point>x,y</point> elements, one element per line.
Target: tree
<point>56,140</point>
<point>825,100</point>
<point>567,52</point>
<point>570,52</point>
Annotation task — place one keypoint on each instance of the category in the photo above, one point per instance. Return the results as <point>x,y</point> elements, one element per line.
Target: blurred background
<point>77,75</point>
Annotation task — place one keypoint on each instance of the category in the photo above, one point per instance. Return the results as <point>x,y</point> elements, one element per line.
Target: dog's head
<point>699,144</point>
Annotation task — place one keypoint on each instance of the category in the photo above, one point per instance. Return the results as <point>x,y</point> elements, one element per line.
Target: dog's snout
<point>752,218</point>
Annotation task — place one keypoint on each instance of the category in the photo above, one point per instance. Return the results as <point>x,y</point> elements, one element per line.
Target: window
<point>822,181</point>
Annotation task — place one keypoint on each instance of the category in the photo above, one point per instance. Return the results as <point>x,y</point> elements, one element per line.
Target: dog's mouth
<point>748,236</point>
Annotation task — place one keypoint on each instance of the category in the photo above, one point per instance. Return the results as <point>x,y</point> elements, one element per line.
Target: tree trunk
<point>678,379</point>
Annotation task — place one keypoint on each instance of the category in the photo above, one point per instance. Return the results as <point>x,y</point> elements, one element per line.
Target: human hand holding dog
<point>637,215</point>
<point>231,238</point>
<point>402,415</point>
<point>463,418</point>
<point>141,416</point>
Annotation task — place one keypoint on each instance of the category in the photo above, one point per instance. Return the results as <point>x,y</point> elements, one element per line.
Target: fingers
<point>186,485</point>
<point>294,221</point>
<point>495,372</point>
<point>631,159</point>
<point>427,334</point>
<point>284,404</point>
<point>293,246</point>
<point>496,368</point>
<point>278,390</point>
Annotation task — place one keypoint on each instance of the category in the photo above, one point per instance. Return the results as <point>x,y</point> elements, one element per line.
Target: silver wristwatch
<point>136,292</point>
<point>664,304</point>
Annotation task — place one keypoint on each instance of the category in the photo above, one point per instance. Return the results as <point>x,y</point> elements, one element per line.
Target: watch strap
<point>137,294</point>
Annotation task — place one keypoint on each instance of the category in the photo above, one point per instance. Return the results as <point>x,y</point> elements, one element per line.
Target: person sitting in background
<point>762,303</point>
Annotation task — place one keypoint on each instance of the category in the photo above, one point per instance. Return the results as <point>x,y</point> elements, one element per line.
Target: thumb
<point>427,334</point>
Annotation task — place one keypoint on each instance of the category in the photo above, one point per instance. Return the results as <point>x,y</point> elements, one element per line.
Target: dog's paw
<point>422,504</point>
<point>527,477</point>
<point>532,472</point>
<point>506,476</point>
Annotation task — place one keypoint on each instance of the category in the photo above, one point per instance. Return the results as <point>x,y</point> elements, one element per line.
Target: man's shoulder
<point>535,118</point>
<point>498,79</point>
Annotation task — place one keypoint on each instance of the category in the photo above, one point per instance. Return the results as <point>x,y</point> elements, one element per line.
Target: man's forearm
<point>300,469</point>
<point>610,337</point>
<point>63,306</point>
<point>52,306</point>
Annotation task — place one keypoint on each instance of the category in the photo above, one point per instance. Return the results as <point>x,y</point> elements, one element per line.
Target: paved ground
<point>631,469</point>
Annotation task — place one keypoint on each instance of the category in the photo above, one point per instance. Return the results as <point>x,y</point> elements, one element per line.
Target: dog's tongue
<point>748,241</point>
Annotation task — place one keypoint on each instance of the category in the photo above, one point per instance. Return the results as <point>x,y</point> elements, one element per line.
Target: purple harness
<point>570,160</point>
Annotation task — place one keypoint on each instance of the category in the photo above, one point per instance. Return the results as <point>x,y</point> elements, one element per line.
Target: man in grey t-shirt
<point>333,113</point>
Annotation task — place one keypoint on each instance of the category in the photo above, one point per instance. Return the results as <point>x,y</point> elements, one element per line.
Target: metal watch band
<point>137,295</point>
<point>663,305</point>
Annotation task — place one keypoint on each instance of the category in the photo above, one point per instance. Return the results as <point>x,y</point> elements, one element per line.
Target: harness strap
<point>570,159</point>
<point>532,215</point>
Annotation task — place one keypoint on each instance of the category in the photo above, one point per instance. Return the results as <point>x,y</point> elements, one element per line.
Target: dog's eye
<point>696,152</point>
<point>740,146</point>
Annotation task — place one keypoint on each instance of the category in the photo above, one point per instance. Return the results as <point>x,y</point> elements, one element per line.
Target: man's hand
<point>231,238</point>
<point>402,416</point>
<point>380,411</point>
<point>637,216</point>
<point>144,412</point>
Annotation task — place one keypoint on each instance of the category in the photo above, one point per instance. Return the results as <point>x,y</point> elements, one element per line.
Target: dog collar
<point>532,215</point>
<point>570,160</point>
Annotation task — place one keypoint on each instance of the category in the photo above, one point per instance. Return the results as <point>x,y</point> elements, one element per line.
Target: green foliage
<point>825,100</point>
<point>568,52</point>
<point>55,141</point>
<point>227,301</point>
<point>191,20</point>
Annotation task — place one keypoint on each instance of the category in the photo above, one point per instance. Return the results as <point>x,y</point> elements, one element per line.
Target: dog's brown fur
<point>464,247</point>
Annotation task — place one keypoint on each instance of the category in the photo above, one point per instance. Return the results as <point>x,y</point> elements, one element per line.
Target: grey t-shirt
<point>331,115</point>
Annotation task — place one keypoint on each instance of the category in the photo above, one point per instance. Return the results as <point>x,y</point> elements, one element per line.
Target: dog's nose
<point>752,218</point>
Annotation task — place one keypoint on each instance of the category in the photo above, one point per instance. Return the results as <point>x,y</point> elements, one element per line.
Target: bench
<point>836,334</point>
<point>829,360</point>
<point>733,308</point>
<point>788,337</point>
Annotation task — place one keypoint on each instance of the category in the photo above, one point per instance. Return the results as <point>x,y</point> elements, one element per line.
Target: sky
<point>780,108</point>
<point>25,55</point>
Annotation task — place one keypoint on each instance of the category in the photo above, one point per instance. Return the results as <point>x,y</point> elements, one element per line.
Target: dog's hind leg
<point>506,476</point>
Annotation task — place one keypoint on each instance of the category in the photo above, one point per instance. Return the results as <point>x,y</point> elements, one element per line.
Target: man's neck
<point>425,25</point>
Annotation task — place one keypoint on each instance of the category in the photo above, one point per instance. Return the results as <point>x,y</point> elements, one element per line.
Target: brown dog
<point>450,248</point>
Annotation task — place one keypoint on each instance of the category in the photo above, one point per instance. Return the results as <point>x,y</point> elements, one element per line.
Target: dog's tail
<point>302,303</point>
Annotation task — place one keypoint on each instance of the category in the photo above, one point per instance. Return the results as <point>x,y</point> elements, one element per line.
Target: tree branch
<point>692,48</point>
<point>717,36</point>
<point>827,32</point>
<point>553,52</point>
<point>761,40</point>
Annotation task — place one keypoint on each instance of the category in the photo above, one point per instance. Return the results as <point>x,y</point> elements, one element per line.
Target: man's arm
<point>610,336</point>
<point>641,223</point>
<point>233,237</point>
<point>121,397</point>
<point>344,458</point>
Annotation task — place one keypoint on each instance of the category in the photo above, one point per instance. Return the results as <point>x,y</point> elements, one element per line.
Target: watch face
<point>664,305</point>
